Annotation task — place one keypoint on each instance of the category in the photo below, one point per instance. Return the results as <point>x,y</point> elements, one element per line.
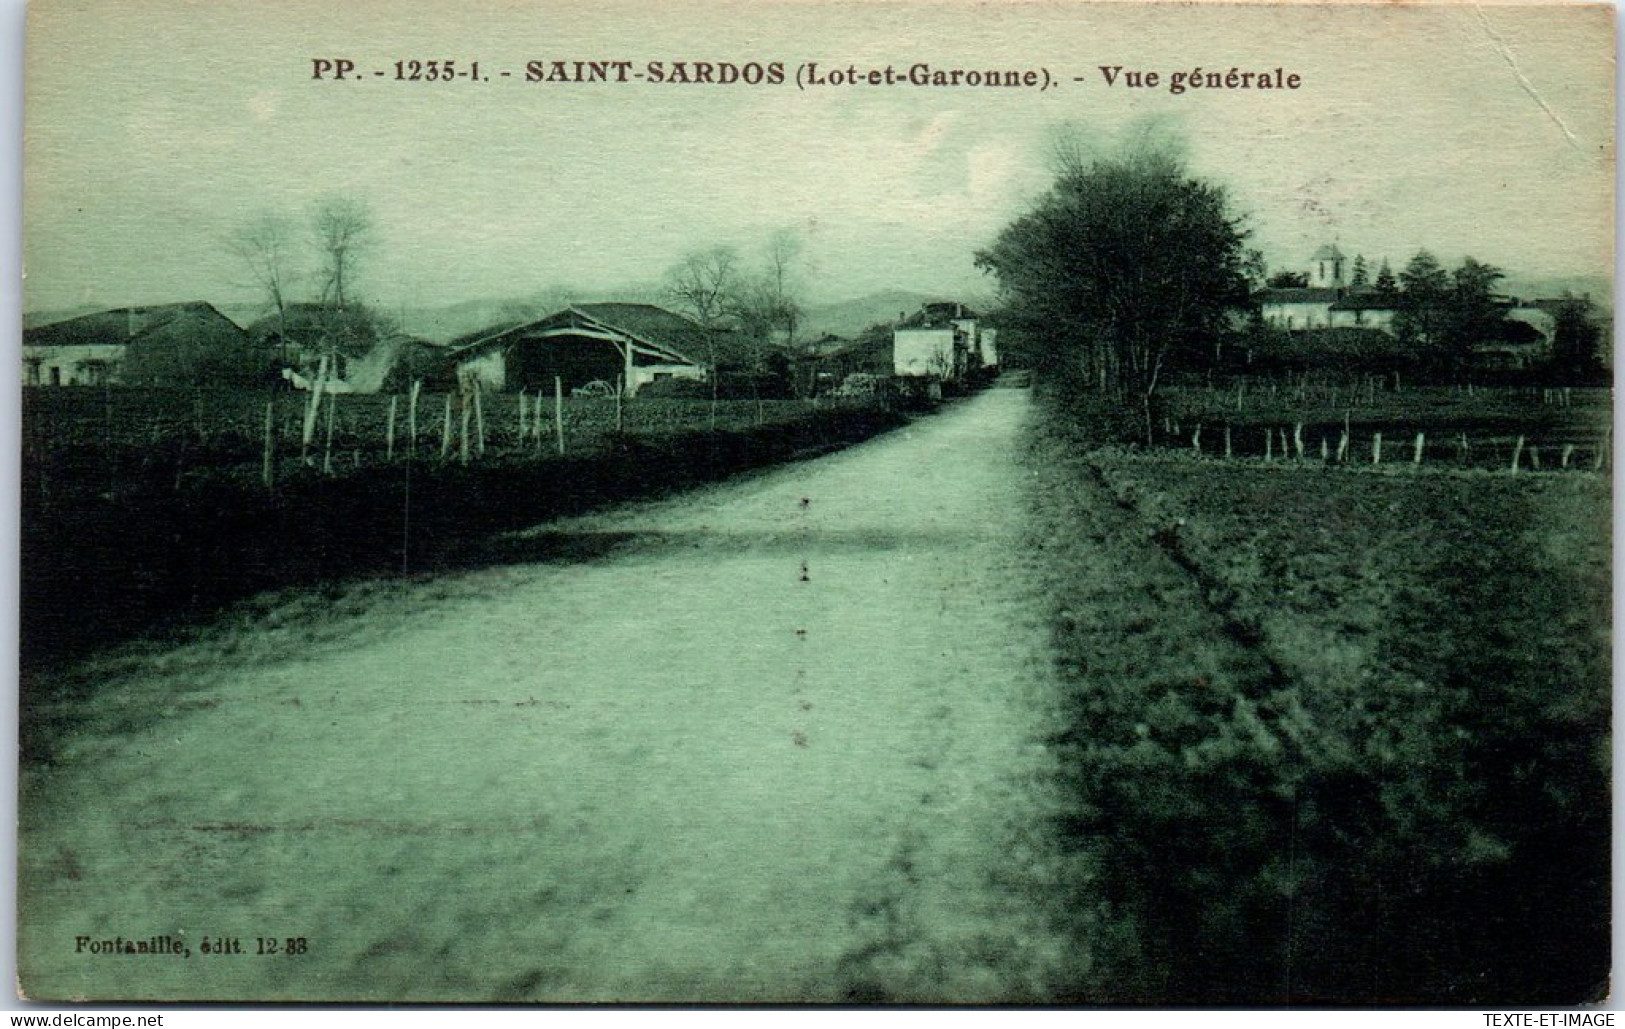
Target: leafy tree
<point>1576,339</point>
<point>1386,285</point>
<point>1359,277</point>
<point>1255,270</point>
<point>1425,294</point>
<point>1475,316</point>
<point>1128,265</point>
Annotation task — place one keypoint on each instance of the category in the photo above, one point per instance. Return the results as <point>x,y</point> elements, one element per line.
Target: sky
<point>153,131</point>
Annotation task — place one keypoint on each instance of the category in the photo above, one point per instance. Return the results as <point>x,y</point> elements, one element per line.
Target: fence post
<point>1517,452</point>
<point>1297,439</point>
<point>1568,452</point>
<point>1269,444</point>
<point>1376,448</point>
<point>558,412</point>
<point>445,431</point>
<point>1343,447</point>
<point>1534,457</point>
<point>522,424</point>
<point>1196,440</point>
<point>620,417</point>
<point>389,451</point>
<point>479,419</point>
<point>1227,442</point>
<point>1420,443</point>
<point>412,420</point>
<point>467,411</point>
<point>267,465</point>
<point>327,457</point>
<point>1325,450</point>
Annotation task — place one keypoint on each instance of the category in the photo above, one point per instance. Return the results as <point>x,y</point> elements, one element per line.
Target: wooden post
<point>479,419</point>
<point>327,457</point>
<point>558,412</point>
<point>1534,457</point>
<point>389,452</point>
<point>1285,451</point>
<point>1241,386</point>
<point>267,465</point>
<point>1376,449</point>
<point>445,431</point>
<point>1297,439</point>
<point>1517,453</point>
<point>522,423</point>
<point>412,420</point>
<point>1269,444</point>
<point>1568,452</point>
<point>1325,450</point>
<point>1196,440</point>
<point>1227,442</point>
<point>620,416</point>
<point>1421,441</point>
<point>463,443</point>
<point>1462,448</point>
<point>313,408</point>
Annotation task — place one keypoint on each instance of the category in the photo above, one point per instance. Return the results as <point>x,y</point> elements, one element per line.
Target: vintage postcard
<point>817,503</point>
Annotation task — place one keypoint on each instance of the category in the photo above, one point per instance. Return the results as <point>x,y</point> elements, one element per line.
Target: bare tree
<point>266,247</point>
<point>783,250</point>
<point>344,230</point>
<point>704,281</point>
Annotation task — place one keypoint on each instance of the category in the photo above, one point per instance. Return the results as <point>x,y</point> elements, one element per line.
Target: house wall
<point>990,347</point>
<point>643,374</point>
<point>1297,315</point>
<point>1373,318</point>
<point>86,365</point>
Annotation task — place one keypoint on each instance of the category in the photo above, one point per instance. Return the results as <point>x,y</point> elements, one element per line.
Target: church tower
<point>1326,268</point>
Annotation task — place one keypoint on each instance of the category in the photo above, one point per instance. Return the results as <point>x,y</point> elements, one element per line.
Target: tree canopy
<point>1127,266</point>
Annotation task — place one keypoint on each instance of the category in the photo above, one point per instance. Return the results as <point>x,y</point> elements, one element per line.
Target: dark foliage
<point>1126,268</point>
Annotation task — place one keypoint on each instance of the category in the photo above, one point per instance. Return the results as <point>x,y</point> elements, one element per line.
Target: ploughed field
<point>1338,734</point>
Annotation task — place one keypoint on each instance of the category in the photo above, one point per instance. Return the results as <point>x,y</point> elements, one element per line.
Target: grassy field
<point>141,507</point>
<point>1338,735</point>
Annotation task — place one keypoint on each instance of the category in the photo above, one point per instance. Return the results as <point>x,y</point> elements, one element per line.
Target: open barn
<point>634,343</point>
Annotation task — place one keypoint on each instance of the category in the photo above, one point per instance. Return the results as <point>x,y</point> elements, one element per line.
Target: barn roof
<point>119,325</point>
<point>655,330</point>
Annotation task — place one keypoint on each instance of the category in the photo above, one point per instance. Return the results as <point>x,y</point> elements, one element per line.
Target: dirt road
<point>776,740</point>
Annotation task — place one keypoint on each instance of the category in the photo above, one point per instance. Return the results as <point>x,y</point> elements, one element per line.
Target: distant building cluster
<point>590,347</point>
<point>1334,297</point>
